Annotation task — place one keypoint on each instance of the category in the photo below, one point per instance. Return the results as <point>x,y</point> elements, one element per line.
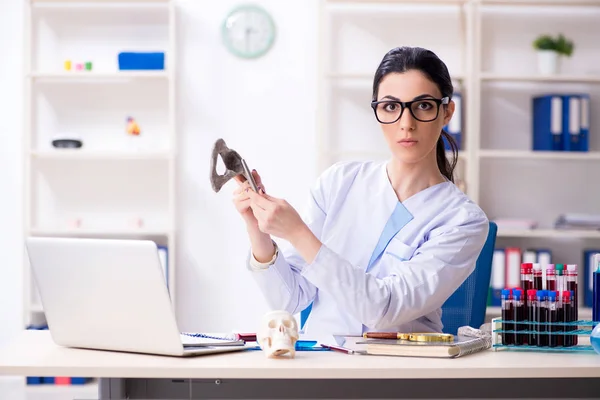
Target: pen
<point>383,335</point>
<point>337,348</point>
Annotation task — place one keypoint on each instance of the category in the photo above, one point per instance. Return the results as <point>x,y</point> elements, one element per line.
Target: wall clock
<point>248,31</point>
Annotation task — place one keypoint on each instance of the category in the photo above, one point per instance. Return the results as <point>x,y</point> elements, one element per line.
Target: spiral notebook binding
<point>206,336</point>
<point>474,346</point>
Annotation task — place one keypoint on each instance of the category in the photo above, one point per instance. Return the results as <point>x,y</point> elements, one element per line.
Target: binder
<point>498,277</point>
<point>530,256</point>
<point>547,123</point>
<point>588,277</point>
<point>454,127</point>
<point>585,123</point>
<point>544,257</point>
<point>571,124</point>
<point>513,267</point>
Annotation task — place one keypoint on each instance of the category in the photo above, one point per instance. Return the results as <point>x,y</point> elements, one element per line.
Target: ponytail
<point>445,165</point>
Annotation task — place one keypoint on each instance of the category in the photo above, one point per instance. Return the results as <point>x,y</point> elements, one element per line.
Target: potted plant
<point>550,50</point>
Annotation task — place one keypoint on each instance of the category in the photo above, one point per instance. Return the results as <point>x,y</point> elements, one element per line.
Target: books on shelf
<point>455,126</point>
<point>578,221</point>
<point>561,122</point>
<point>506,268</point>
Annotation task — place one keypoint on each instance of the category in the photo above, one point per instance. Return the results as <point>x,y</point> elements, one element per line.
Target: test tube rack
<point>583,331</point>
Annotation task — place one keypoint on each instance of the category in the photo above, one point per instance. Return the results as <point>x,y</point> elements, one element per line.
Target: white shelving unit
<point>117,185</point>
<point>487,46</point>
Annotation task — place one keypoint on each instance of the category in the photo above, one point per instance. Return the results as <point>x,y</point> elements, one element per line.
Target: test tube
<point>552,318</point>
<point>550,278</point>
<point>526,281</point>
<point>572,281</point>
<point>596,288</point>
<point>567,307</point>
<point>560,315</point>
<point>542,319</point>
<point>520,317</point>
<point>559,274</point>
<point>508,314</point>
<point>537,277</point>
<point>572,287</point>
<point>532,317</point>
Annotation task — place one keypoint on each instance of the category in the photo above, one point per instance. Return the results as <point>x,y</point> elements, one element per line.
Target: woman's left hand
<point>276,216</point>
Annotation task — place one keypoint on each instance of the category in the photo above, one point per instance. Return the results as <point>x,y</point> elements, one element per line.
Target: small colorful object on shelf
<point>80,66</point>
<point>132,127</point>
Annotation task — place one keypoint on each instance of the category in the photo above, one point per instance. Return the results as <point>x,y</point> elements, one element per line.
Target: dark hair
<point>402,59</point>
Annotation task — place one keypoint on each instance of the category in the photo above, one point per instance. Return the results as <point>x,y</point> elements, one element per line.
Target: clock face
<point>249,31</point>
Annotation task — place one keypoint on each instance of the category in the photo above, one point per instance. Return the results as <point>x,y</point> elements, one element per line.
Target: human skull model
<point>278,334</point>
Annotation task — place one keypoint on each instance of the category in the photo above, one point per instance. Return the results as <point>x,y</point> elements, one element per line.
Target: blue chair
<point>467,304</point>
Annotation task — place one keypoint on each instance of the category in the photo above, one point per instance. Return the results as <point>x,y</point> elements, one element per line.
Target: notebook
<point>462,346</point>
<point>190,339</point>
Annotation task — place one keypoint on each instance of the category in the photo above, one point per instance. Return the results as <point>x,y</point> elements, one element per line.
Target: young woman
<point>382,244</point>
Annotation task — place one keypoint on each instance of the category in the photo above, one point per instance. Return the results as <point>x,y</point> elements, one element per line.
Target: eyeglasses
<point>424,110</point>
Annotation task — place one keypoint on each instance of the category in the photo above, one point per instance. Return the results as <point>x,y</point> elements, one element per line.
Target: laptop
<point>109,294</point>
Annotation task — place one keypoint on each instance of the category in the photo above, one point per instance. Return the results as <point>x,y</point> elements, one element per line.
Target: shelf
<point>357,76</point>
<point>566,3</point>
<point>374,155</point>
<point>346,5</point>
<point>71,3</point>
<point>549,233</point>
<point>68,77</point>
<point>540,155</point>
<point>488,76</point>
<point>74,154</point>
<point>128,233</point>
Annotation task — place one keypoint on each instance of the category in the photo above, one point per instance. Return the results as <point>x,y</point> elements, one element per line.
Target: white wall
<point>10,177</point>
<point>11,226</point>
<point>263,108</point>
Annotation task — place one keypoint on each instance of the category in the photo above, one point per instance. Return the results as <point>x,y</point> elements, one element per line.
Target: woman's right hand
<point>241,200</point>
<point>261,243</point>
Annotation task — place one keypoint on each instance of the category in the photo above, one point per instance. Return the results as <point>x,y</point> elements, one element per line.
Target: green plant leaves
<point>560,44</point>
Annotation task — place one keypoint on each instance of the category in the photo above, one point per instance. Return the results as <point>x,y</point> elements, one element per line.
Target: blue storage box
<point>141,61</point>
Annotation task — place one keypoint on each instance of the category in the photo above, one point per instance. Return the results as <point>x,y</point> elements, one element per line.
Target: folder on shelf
<point>544,257</point>
<point>513,267</point>
<point>547,123</point>
<point>454,127</point>
<point>498,277</point>
<point>530,256</point>
<point>584,123</point>
<point>588,277</point>
<point>571,122</point>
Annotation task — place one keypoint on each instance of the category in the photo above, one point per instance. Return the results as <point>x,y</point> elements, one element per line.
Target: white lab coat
<point>384,265</point>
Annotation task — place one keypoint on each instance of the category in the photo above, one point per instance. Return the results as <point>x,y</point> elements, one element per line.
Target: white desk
<point>323,374</point>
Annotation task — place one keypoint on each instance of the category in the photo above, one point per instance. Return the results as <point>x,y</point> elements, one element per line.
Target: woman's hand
<point>275,216</point>
<point>278,218</point>
<point>261,243</point>
<point>241,199</point>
